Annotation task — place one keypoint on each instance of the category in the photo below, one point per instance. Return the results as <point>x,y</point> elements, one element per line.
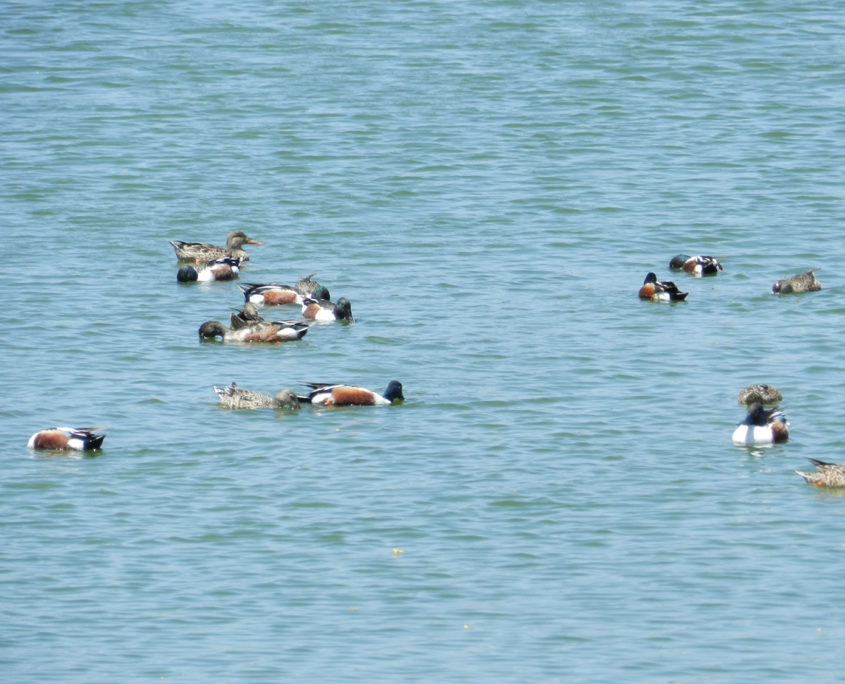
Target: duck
<point>325,394</point>
<point>248,315</point>
<point>695,265</point>
<point>308,287</point>
<point>277,294</point>
<point>761,393</point>
<point>63,438</point>
<point>325,310</point>
<point>224,268</point>
<point>264,331</point>
<point>827,475</point>
<point>803,282</point>
<point>762,426</point>
<point>234,397</point>
<point>202,251</point>
<point>657,291</point>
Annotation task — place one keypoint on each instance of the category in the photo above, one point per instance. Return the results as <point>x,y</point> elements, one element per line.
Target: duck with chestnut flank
<point>62,438</point>
<point>658,291</point>
<point>265,331</point>
<point>762,426</point>
<point>324,394</point>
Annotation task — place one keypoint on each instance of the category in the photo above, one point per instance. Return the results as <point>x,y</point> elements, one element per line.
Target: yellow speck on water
<point>466,626</point>
<point>396,552</point>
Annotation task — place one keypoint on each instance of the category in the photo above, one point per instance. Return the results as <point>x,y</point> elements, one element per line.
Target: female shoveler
<point>60,438</point>
<point>828,475</point>
<point>202,251</point>
<point>311,288</point>
<point>761,426</point>
<point>804,282</point>
<point>266,331</point>
<point>234,397</point>
<point>323,394</point>
<point>762,394</point>
<point>324,310</point>
<point>696,265</point>
<point>247,316</point>
<point>658,291</point>
<point>224,268</point>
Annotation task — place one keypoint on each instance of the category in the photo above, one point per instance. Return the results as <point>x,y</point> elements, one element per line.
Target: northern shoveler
<point>658,291</point>
<point>762,394</point>
<point>277,294</point>
<point>308,287</point>
<point>234,397</point>
<point>247,316</point>
<point>224,268</point>
<point>761,426</point>
<point>804,282</point>
<point>60,438</point>
<point>324,394</point>
<point>827,475</point>
<point>324,310</point>
<point>266,331</point>
<point>695,265</point>
<point>202,251</point>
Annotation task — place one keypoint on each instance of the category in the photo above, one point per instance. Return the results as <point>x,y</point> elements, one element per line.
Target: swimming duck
<point>324,310</point>
<point>763,394</point>
<point>247,316</point>
<point>224,268</point>
<point>828,475</point>
<point>60,438</point>
<point>695,265</point>
<point>265,331</point>
<point>761,426</point>
<point>658,291</point>
<point>804,282</point>
<point>202,251</point>
<point>308,287</point>
<point>234,397</point>
<point>277,294</point>
<point>323,394</point>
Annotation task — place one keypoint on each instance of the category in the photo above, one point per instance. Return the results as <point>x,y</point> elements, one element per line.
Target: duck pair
<point>315,302</point>
<point>321,394</point>
<point>666,291</point>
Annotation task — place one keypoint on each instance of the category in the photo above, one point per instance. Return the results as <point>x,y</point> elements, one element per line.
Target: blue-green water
<point>488,183</point>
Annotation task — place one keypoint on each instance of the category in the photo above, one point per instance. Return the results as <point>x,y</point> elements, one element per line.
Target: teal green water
<point>488,183</point>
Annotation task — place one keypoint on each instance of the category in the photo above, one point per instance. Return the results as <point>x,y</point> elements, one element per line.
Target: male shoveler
<point>762,394</point>
<point>266,331</point>
<point>202,251</point>
<point>761,426</point>
<point>657,291</point>
<point>828,475</point>
<point>234,397</point>
<point>324,394</point>
<point>224,268</point>
<point>324,310</point>
<point>803,282</point>
<point>277,294</point>
<point>61,438</point>
<point>695,265</point>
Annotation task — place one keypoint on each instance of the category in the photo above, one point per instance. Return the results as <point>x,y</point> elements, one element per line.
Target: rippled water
<point>488,183</point>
